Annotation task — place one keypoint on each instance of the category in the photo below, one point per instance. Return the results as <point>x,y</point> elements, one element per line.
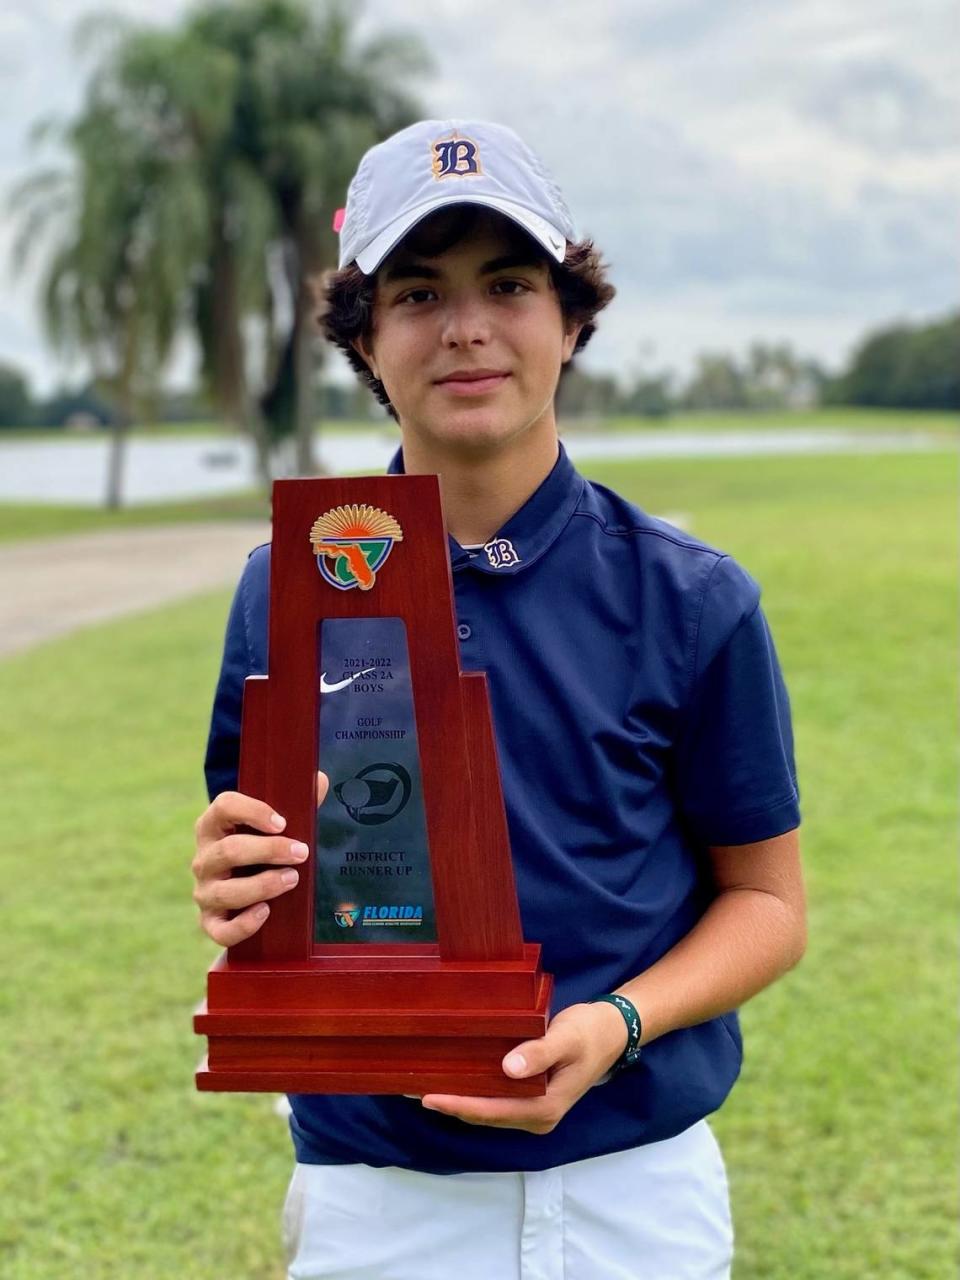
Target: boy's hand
<point>581,1045</point>
<point>234,907</point>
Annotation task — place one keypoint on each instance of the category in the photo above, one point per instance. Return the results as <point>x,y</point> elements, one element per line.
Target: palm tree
<point>200,157</point>
<point>311,100</point>
<point>135,218</point>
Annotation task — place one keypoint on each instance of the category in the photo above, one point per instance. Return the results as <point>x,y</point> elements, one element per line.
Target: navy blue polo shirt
<point>641,716</point>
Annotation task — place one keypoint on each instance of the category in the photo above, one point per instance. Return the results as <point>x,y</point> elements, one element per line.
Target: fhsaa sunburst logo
<point>351,543</point>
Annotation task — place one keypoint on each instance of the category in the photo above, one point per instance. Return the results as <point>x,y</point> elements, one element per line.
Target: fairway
<point>839,1137</point>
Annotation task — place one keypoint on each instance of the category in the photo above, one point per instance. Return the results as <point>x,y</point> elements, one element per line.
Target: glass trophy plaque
<point>372,853</point>
<point>397,964</point>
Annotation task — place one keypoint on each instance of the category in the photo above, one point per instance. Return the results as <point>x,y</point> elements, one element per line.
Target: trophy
<point>397,964</point>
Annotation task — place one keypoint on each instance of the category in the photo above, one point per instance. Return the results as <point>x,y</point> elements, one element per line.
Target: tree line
<point>905,366</point>
<point>899,366</point>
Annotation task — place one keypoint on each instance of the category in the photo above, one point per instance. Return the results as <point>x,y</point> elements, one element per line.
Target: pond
<point>74,471</point>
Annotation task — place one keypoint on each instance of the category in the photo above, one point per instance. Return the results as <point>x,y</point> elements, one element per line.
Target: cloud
<point>674,27</point>
<point>883,107</point>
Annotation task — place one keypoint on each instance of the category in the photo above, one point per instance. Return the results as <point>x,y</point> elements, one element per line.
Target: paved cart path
<point>51,586</point>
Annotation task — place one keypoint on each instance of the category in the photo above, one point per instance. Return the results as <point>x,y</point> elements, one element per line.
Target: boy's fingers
<point>323,786</point>
<point>232,809</point>
<point>243,891</point>
<point>248,851</point>
<point>535,1115</point>
<point>227,933</point>
<point>535,1056</point>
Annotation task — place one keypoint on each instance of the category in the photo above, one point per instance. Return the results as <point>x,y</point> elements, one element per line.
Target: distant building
<point>82,420</point>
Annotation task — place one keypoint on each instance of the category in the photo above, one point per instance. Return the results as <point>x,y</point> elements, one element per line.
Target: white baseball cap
<point>436,163</point>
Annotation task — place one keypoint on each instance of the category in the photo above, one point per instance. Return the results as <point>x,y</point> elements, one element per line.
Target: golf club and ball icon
<point>376,794</point>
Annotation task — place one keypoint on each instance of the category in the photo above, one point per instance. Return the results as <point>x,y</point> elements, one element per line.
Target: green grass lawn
<point>841,417</point>
<point>840,1136</point>
<point>47,520</point>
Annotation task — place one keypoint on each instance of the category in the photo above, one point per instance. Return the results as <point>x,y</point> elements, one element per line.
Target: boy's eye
<point>508,288</point>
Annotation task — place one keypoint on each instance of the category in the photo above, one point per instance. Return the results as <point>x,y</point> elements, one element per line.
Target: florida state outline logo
<point>351,543</point>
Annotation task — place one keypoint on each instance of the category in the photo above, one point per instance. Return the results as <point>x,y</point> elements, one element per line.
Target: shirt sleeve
<point>736,774</point>
<point>222,761</point>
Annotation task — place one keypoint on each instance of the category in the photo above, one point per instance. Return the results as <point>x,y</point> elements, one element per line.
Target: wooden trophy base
<point>394,1020</point>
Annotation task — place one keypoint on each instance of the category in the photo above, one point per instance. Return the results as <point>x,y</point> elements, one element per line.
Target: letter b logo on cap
<point>455,157</point>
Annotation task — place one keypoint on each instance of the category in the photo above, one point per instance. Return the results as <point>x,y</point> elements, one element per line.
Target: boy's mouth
<point>467,382</point>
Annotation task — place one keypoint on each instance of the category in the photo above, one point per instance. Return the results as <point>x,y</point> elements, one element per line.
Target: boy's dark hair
<point>345,298</point>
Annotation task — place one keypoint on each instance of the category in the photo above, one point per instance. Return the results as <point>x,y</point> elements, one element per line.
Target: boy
<point>646,753</point>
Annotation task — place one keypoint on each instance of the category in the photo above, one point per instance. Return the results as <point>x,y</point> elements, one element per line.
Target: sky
<point>749,170</point>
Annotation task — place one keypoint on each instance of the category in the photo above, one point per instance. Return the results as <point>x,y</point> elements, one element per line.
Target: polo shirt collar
<point>530,532</point>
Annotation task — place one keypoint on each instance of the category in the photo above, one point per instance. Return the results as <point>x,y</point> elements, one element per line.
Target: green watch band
<point>631,1053</point>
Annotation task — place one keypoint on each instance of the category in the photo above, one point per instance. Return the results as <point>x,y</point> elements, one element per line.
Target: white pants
<point>658,1212</point>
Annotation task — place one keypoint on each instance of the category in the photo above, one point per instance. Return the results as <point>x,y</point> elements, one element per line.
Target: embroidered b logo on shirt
<point>500,553</point>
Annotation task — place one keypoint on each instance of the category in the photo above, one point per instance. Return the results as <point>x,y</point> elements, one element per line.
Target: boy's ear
<point>570,337</point>
<point>360,345</point>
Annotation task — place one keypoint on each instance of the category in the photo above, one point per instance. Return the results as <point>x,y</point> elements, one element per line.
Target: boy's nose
<point>465,323</point>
